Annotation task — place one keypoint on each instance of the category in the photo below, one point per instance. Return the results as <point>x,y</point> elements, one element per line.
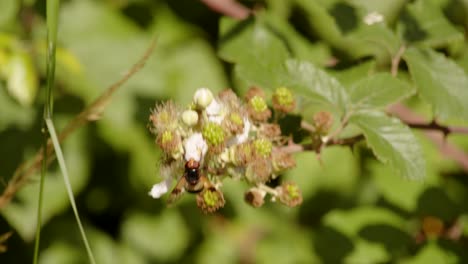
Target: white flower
<point>190,117</point>
<point>373,18</point>
<point>160,188</point>
<point>203,97</point>
<point>241,138</point>
<point>195,147</point>
<point>214,112</point>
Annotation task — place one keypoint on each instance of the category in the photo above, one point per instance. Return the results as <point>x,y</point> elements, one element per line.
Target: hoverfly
<point>191,181</point>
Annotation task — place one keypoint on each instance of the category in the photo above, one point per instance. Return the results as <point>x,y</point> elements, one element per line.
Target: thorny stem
<point>90,113</point>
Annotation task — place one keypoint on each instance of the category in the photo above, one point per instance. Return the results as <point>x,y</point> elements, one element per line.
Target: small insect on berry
<point>192,181</point>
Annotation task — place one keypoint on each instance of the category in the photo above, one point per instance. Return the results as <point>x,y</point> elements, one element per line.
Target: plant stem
<point>39,205</point>
<point>52,17</point>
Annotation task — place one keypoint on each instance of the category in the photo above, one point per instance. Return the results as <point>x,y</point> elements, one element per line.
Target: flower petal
<point>195,147</point>
<point>160,188</point>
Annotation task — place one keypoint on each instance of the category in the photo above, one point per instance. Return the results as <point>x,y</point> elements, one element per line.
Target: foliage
<point>375,188</point>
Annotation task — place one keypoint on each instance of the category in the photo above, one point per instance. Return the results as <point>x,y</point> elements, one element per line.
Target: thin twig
<point>436,126</point>
<point>396,60</point>
<point>293,147</point>
<point>308,127</point>
<point>90,113</point>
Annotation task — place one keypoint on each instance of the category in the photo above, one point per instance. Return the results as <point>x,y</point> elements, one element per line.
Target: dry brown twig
<point>91,113</point>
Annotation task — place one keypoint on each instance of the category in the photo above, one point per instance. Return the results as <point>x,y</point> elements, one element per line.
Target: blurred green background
<point>355,209</point>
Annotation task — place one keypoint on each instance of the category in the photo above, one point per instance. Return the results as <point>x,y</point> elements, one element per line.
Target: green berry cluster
<point>224,136</point>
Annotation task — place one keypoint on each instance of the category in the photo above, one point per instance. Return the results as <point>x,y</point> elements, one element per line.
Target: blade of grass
<point>63,168</point>
<point>52,19</point>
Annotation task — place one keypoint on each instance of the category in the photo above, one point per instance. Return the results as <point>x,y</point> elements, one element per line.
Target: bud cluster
<point>228,137</point>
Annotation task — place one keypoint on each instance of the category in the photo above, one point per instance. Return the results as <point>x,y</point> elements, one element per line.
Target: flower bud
<point>432,226</point>
<point>202,98</point>
<point>190,117</point>
<point>255,197</point>
<point>229,99</point>
<point>323,122</point>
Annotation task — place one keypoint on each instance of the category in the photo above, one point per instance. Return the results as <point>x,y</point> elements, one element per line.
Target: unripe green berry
<point>283,100</point>
<point>258,104</point>
<point>284,96</point>
<point>213,133</point>
<point>263,147</point>
<point>236,119</point>
<point>210,200</point>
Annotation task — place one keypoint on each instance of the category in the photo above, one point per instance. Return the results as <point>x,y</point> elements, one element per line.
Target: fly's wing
<point>177,192</point>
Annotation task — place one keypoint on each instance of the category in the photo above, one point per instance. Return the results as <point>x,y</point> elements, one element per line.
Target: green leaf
<point>21,77</point>
<point>389,9</point>
<point>392,142</point>
<point>161,237</point>
<point>318,53</point>
<point>66,249</point>
<point>12,114</point>
<point>315,85</point>
<point>341,24</point>
<point>314,175</point>
<point>322,23</point>
<point>440,82</point>
<point>8,13</point>
<point>424,22</point>
<point>375,232</point>
<point>377,40</point>
<point>262,59</point>
<point>259,54</point>
<point>378,91</point>
<point>395,190</point>
<point>182,61</point>
<point>352,75</point>
<point>433,253</point>
<point>350,222</point>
